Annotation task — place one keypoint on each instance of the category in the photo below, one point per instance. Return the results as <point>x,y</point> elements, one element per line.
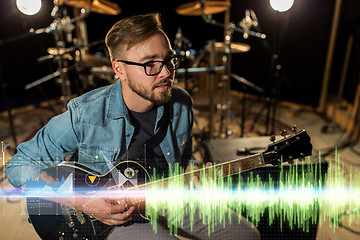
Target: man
<point>142,116</point>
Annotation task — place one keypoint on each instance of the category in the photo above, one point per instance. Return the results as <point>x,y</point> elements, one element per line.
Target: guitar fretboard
<point>221,170</point>
<point>239,165</point>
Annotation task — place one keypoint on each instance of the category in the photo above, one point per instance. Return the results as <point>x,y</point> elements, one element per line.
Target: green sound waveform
<point>298,198</point>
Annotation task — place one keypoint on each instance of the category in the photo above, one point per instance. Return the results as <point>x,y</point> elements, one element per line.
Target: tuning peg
<point>283,133</point>
<point>302,158</point>
<point>291,160</point>
<point>272,138</point>
<point>294,128</point>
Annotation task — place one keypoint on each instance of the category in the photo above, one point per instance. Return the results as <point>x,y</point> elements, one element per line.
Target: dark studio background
<point>302,47</point>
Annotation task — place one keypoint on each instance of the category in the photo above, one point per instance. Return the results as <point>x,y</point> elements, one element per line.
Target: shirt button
<point>127,135</point>
<point>168,153</point>
<point>96,157</point>
<point>184,142</point>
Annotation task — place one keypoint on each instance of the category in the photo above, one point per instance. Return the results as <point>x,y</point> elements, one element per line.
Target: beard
<point>157,99</point>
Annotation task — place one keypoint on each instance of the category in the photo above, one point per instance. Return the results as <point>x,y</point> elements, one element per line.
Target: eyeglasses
<point>152,68</point>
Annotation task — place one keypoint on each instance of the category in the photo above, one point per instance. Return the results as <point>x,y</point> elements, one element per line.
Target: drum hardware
<point>104,72</point>
<point>45,58</point>
<point>205,9</point>
<point>199,59</point>
<point>235,47</point>
<point>211,88</point>
<point>183,50</point>
<point>61,27</point>
<point>42,80</point>
<point>200,69</point>
<point>245,83</point>
<point>60,51</point>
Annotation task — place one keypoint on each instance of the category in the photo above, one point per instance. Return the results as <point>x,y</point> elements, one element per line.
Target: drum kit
<point>72,53</point>
<point>205,9</point>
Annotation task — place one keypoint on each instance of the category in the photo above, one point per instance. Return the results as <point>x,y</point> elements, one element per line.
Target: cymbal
<point>235,47</point>
<point>210,7</point>
<point>98,6</point>
<point>95,61</point>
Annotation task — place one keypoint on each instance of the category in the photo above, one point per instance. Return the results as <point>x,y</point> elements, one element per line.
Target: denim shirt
<point>96,131</point>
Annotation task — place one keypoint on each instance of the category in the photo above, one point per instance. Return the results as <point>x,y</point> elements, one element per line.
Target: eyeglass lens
<point>154,68</point>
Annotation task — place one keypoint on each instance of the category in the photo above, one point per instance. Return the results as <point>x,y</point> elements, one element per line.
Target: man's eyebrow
<point>151,57</point>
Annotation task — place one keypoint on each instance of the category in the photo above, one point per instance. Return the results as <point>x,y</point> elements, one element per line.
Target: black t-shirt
<point>145,144</point>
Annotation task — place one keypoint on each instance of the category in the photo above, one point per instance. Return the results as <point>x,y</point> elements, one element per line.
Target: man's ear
<point>119,70</point>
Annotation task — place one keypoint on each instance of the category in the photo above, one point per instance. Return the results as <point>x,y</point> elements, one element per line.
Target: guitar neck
<point>220,170</point>
<point>237,165</point>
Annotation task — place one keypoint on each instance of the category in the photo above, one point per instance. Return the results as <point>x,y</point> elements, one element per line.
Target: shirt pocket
<point>182,140</point>
<point>98,158</point>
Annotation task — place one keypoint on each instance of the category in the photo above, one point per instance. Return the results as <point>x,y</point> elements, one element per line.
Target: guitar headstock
<point>297,145</point>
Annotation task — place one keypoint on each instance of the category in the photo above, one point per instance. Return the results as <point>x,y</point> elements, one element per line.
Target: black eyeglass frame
<point>144,65</point>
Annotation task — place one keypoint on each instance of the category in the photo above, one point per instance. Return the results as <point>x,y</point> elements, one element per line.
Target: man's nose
<point>165,71</point>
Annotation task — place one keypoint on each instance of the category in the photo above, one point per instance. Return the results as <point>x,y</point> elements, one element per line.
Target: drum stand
<point>61,29</point>
<point>225,105</point>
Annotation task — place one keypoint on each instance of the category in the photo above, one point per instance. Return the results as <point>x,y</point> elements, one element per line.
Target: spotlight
<point>281,5</point>
<point>28,7</point>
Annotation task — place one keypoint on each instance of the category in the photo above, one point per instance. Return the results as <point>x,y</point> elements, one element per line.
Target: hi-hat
<point>98,6</point>
<point>235,47</point>
<point>195,8</point>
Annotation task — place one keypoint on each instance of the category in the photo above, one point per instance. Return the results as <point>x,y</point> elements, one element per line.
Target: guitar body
<point>54,221</point>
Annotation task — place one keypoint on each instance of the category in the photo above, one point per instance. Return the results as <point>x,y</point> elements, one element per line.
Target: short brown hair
<point>132,30</point>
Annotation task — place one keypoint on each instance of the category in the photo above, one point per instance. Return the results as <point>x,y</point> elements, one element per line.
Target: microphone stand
<point>275,80</point>
<point>225,106</point>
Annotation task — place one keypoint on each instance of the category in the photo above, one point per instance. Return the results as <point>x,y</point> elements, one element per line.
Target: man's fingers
<point>124,216</point>
<point>196,181</point>
<point>117,218</point>
<point>119,206</point>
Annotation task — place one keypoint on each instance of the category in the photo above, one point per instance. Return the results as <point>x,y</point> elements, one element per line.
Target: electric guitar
<point>54,221</point>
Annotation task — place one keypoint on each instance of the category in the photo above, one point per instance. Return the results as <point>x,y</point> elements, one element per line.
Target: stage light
<point>281,5</point>
<point>28,7</point>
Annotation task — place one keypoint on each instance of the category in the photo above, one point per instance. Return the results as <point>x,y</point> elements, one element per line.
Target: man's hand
<point>195,179</point>
<point>108,211</point>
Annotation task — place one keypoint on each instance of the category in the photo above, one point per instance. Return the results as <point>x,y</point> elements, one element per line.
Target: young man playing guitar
<point>141,116</point>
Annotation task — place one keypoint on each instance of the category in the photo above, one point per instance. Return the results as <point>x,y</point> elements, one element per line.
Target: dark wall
<point>349,25</point>
<point>302,36</point>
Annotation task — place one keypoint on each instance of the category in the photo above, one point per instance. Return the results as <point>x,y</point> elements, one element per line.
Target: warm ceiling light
<point>281,5</point>
<point>28,7</point>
